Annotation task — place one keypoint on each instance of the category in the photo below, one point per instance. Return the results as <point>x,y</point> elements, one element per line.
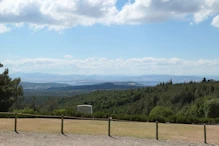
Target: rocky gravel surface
<point>51,139</point>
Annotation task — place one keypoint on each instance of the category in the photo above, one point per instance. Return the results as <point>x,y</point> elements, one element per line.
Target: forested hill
<point>187,99</point>
<point>182,103</point>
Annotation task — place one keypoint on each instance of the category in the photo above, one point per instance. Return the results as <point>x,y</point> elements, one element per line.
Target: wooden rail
<point>16,117</point>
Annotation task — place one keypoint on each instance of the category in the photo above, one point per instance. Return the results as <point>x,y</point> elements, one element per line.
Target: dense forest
<point>190,102</point>
<point>167,102</point>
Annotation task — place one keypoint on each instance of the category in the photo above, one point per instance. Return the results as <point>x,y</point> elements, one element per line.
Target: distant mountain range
<point>75,80</point>
<point>63,90</point>
<point>58,86</point>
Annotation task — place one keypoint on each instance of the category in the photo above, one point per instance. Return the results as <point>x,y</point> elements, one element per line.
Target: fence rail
<point>16,117</point>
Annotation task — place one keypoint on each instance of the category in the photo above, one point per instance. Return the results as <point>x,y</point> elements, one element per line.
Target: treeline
<point>179,103</point>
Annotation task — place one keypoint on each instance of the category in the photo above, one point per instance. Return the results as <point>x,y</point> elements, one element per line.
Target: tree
<point>33,103</point>
<point>211,108</point>
<point>160,111</point>
<point>10,90</point>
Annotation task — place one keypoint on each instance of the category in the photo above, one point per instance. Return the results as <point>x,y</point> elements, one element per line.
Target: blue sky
<point>135,37</point>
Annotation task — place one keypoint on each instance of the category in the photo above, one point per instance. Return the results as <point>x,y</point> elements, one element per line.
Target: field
<point>175,132</point>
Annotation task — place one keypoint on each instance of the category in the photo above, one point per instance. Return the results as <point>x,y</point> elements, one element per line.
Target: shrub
<point>160,111</point>
<point>180,119</point>
<point>59,112</point>
<point>100,115</point>
<point>171,119</point>
<point>191,119</point>
<point>211,108</point>
<point>141,118</point>
<point>121,117</point>
<point>217,120</point>
<point>70,111</point>
<point>156,118</point>
<point>25,111</point>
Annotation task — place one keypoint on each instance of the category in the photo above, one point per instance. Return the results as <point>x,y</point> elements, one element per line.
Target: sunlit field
<point>181,132</point>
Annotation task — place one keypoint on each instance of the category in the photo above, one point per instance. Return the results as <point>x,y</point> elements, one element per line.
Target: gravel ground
<point>51,139</point>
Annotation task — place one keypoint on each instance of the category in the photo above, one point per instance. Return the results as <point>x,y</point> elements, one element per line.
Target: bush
<point>7,115</point>
<point>211,108</point>
<point>160,111</point>
<point>156,118</point>
<point>70,111</point>
<point>25,111</point>
<point>203,120</point>
<point>59,112</point>
<point>171,119</point>
<point>121,116</point>
<point>100,115</point>
<point>191,120</point>
<point>217,120</point>
<point>187,119</point>
<point>181,119</point>
<point>141,118</point>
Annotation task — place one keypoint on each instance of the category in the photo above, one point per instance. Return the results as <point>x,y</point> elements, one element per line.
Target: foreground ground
<point>51,139</point>
<point>91,132</point>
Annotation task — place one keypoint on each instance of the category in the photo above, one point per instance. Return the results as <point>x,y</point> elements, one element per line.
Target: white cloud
<point>4,28</point>
<point>56,14</point>
<point>63,14</point>
<point>68,57</point>
<point>132,66</point>
<point>215,21</point>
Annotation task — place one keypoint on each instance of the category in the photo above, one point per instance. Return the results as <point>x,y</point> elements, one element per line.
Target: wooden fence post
<point>15,123</point>
<point>62,124</point>
<point>205,133</point>
<point>109,120</point>
<point>156,130</point>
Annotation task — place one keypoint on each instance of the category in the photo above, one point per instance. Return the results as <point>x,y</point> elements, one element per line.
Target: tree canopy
<point>161,111</point>
<point>10,89</point>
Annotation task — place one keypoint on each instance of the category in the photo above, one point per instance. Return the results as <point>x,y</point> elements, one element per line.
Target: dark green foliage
<point>10,90</point>
<point>156,118</point>
<point>171,119</point>
<point>160,111</point>
<point>211,108</point>
<point>181,103</point>
<point>25,111</point>
<point>59,112</point>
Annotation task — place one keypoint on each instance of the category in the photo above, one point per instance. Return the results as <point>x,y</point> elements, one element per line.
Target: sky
<point>110,37</point>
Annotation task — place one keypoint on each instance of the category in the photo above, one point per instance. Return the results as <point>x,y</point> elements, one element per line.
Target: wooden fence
<point>16,116</point>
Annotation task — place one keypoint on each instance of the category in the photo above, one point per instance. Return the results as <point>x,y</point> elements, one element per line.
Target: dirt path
<point>51,139</point>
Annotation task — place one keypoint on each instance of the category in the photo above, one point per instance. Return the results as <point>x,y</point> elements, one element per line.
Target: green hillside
<point>180,98</point>
<point>186,100</point>
<point>166,102</point>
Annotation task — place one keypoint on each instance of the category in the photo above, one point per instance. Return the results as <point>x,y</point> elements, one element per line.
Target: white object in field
<point>87,109</point>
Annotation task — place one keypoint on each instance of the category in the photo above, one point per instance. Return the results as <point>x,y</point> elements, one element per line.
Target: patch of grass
<point>181,132</point>
<point>6,124</point>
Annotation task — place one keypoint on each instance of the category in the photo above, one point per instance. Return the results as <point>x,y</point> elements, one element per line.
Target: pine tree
<point>10,90</point>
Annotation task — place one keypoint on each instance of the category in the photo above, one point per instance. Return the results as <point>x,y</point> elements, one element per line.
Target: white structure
<point>87,109</point>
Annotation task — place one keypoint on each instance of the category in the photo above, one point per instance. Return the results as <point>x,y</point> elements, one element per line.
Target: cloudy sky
<point>125,37</point>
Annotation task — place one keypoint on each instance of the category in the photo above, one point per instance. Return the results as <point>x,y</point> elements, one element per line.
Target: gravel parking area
<point>51,139</point>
